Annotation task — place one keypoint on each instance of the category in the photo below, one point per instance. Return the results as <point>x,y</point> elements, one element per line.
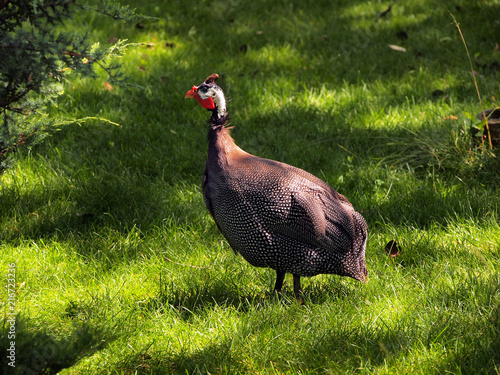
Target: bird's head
<point>209,95</point>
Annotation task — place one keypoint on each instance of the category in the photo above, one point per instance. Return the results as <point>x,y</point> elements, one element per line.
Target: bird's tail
<point>359,248</point>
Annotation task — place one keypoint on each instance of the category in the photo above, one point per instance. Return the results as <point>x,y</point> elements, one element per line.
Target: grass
<point>120,269</point>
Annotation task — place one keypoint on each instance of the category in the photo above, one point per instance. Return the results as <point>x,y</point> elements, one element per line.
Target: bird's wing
<point>296,204</point>
<point>318,218</point>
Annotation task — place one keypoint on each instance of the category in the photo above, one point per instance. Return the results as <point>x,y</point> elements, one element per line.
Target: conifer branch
<point>34,57</point>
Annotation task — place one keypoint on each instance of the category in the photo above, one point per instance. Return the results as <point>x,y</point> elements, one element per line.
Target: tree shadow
<point>214,358</point>
<point>42,351</point>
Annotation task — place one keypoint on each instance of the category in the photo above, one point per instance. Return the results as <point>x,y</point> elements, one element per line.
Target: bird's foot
<point>297,289</point>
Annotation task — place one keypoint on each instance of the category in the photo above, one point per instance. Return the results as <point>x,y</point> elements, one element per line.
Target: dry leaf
<point>392,249</point>
<point>107,86</point>
<point>397,48</point>
<point>451,117</point>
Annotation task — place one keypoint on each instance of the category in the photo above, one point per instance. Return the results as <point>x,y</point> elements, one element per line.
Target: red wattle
<point>207,103</point>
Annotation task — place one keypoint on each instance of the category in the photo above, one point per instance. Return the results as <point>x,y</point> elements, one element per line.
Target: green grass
<point>120,269</point>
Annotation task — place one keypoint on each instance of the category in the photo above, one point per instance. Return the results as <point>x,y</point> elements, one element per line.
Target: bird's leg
<point>280,276</point>
<point>297,289</point>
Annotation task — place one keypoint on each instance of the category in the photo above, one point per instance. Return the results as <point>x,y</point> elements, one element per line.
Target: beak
<point>207,103</point>
<point>192,93</point>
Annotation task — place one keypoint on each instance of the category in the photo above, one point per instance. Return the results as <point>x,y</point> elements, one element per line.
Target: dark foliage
<point>36,52</point>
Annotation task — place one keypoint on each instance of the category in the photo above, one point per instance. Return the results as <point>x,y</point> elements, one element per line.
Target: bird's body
<point>276,215</point>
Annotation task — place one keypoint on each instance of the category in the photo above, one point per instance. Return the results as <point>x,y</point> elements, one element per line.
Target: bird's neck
<point>221,146</point>
<point>219,138</point>
<point>220,142</point>
<point>219,113</point>
<point>222,150</point>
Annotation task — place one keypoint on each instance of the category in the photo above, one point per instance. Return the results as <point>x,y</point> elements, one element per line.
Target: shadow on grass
<point>42,350</point>
<point>215,289</point>
<point>216,358</point>
<point>335,350</point>
<point>191,300</point>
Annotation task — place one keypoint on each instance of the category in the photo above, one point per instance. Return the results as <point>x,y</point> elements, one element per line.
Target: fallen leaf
<point>397,48</point>
<point>451,117</point>
<point>392,249</point>
<point>107,86</point>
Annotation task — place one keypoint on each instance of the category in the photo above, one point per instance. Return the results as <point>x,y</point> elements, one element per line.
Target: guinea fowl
<point>273,214</point>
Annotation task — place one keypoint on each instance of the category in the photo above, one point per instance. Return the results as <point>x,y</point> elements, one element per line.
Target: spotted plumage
<point>273,214</point>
